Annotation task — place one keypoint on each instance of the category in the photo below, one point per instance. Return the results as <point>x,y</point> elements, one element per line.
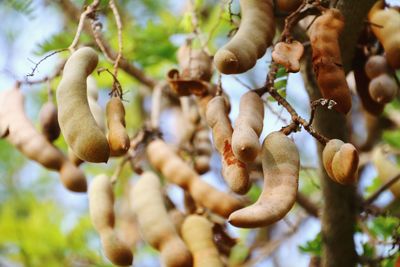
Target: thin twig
<point>119,29</point>
<point>320,102</point>
<point>156,106</point>
<point>56,73</point>
<point>43,59</point>
<point>382,189</point>
<point>119,168</point>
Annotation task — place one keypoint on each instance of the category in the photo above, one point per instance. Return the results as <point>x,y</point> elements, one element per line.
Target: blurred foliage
<point>313,247</point>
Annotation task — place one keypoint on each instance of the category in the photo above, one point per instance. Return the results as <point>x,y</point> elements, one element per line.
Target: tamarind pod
<point>77,123</point>
<point>203,149</point>
<point>117,136</point>
<point>94,107</point>
<point>49,122</point>
<point>255,34</point>
<point>375,66</point>
<point>114,249</point>
<point>340,161</point>
<point>92,92</point>
<point>198,235</point>
<point>177,218</point>
<point>362,82</point>
<point>288,6</point>
<point>345,164</point>
<point>324,35</point>
<point>156,226</point>
<point>386,169</point>
<point>73,158</point>
<point>176,171</point>
<point>385,24</point>
<point>288,55</point>
<point>101,203</point>
<point>194,63</point>
<point>233,170</point>
<point>281,165</point>
<point>23,135</point>
<point>383,89</point>
<point>101,210</point>
<point>248,127</point>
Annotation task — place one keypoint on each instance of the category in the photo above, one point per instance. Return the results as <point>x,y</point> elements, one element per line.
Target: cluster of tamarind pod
<point>189,240</point>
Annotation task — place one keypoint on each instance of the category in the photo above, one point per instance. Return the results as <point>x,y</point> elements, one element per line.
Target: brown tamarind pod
<point>194,63</point>
<point>24,136</point>
<point>375,66</point>
<point>288,55</point>
<point>156,226</point>
<point>288,6</point>
<point>49,122</point>
<point>203,149</point>
<point>255,34</point>
<point>326,58</point>
<point>176,171</point>
<point>340,161</point>
<point>248,127</point>
<point>386,169</point>
<point>233,170</point>
<point>383,89</point>
<point>385,24</point>
<point>118,139</point>
<point>281,164</point>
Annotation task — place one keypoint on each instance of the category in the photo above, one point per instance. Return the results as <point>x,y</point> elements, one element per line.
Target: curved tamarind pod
<point>340,161</point>
<point>255,34</point>
<point>198,235</point>
<point>156,226</point>
<point>49,122</point>
<point>383,89</point>
<point>23,135</point>
<point>288,6</point>
<point>176,171</point>
<point>281,165</point>
<point>248,127</point>
<point>386,169</point>
<point>385,24</point>
<point>101,210</point>
<point>117,136</point>
<point>94,107</point>
<point>324,36</point>
<point>288,55</point>
<point>77,124</point>
<point>203,149</point>
<point>375,66</point>
<point>233,170</point>
<point>194,63</point>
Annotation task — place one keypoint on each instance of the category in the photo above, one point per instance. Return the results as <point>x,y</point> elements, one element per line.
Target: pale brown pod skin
<point>386,169</point>
<point>203,149</point>
<point>24,136</point>
<point>248,127</point>
<point>233,170</point>
<point>101,210</point>
<point>198,235</point>
<point>387,31</point>
<point>176,171</point>
<point>281,164</point>
<point>155,224</point>
<point>194,63</point>
<point>118,139</point>
<point>94,107</point>
<point>288,55</point>
<point>49,122</point>
<point>375,66</point>
<point>340,161</point>
<point>77,123</point>
<point>383,89</point>
<point>255,34</point>
<point>326,58</point>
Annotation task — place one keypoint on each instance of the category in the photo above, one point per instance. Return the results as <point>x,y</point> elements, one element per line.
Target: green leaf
<point>313,247</point>
<point>392,138</point>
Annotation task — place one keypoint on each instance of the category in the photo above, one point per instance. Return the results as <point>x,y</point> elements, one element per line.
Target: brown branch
<point>119,29</point>
<point>382,189</point>
<point>310,207</point>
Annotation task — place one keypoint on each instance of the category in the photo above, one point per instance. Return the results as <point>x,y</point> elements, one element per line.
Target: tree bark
<point>339,209</point>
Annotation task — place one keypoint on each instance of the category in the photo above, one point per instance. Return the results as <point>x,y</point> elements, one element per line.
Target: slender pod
<point>77,123</point>
<point>101,209</point>
<point>385,24</point>
<point>288,55</point>
<point>248,127</point>
<point>49,122</point>
<point>155,224</point>
<point>176,171</point>
<point>255,34</point>
<point>326,58</point>
<point>118,139</point>
<point>198,234</point>
<point>94,106</point>
<point>281,165</point>
<point>233,170</point>
<point>24,136</point>
<point>340,161</point>
<point>194,63</point>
